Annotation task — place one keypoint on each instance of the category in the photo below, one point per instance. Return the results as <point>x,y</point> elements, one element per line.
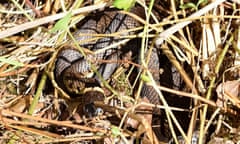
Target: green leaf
<point>115,131</point>
<point>145,78</point>
<point>62,24</point>
<point>124,4</point>
<point>188,5</point>
<point>11,62</point>
<point>201,2</point>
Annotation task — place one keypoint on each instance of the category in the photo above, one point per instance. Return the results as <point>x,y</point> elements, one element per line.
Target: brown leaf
<point>228,91</point>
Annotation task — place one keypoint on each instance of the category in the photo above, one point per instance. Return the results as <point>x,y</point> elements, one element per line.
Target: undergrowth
<point>204,35</point>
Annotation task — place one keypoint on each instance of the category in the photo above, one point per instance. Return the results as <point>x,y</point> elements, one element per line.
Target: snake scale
<point>73,71</point>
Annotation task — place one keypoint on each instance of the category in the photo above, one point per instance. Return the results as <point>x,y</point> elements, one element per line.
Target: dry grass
<point>34,109</point>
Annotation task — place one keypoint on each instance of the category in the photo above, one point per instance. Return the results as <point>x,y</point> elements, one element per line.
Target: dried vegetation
<point>203,35</point>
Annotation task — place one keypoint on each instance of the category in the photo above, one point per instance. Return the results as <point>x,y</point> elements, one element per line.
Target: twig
<point>212,82</point>
<point>165,34</point>
<point>41,21</point>
<point>38,94</point>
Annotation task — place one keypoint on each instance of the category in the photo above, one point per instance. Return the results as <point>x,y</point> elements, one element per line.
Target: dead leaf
<point>228,91</point>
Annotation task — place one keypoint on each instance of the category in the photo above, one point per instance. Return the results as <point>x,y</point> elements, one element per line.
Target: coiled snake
<point>76,72</point>
<point>73,70</point>
<point>71,63</point>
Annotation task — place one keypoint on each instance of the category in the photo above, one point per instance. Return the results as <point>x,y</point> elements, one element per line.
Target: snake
<point>71,63</point>
<point>79,70</point>
<point>73,69</point>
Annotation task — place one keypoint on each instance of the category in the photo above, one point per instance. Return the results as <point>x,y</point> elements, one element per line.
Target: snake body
<point>71,63</point>
<point>73,71</point>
